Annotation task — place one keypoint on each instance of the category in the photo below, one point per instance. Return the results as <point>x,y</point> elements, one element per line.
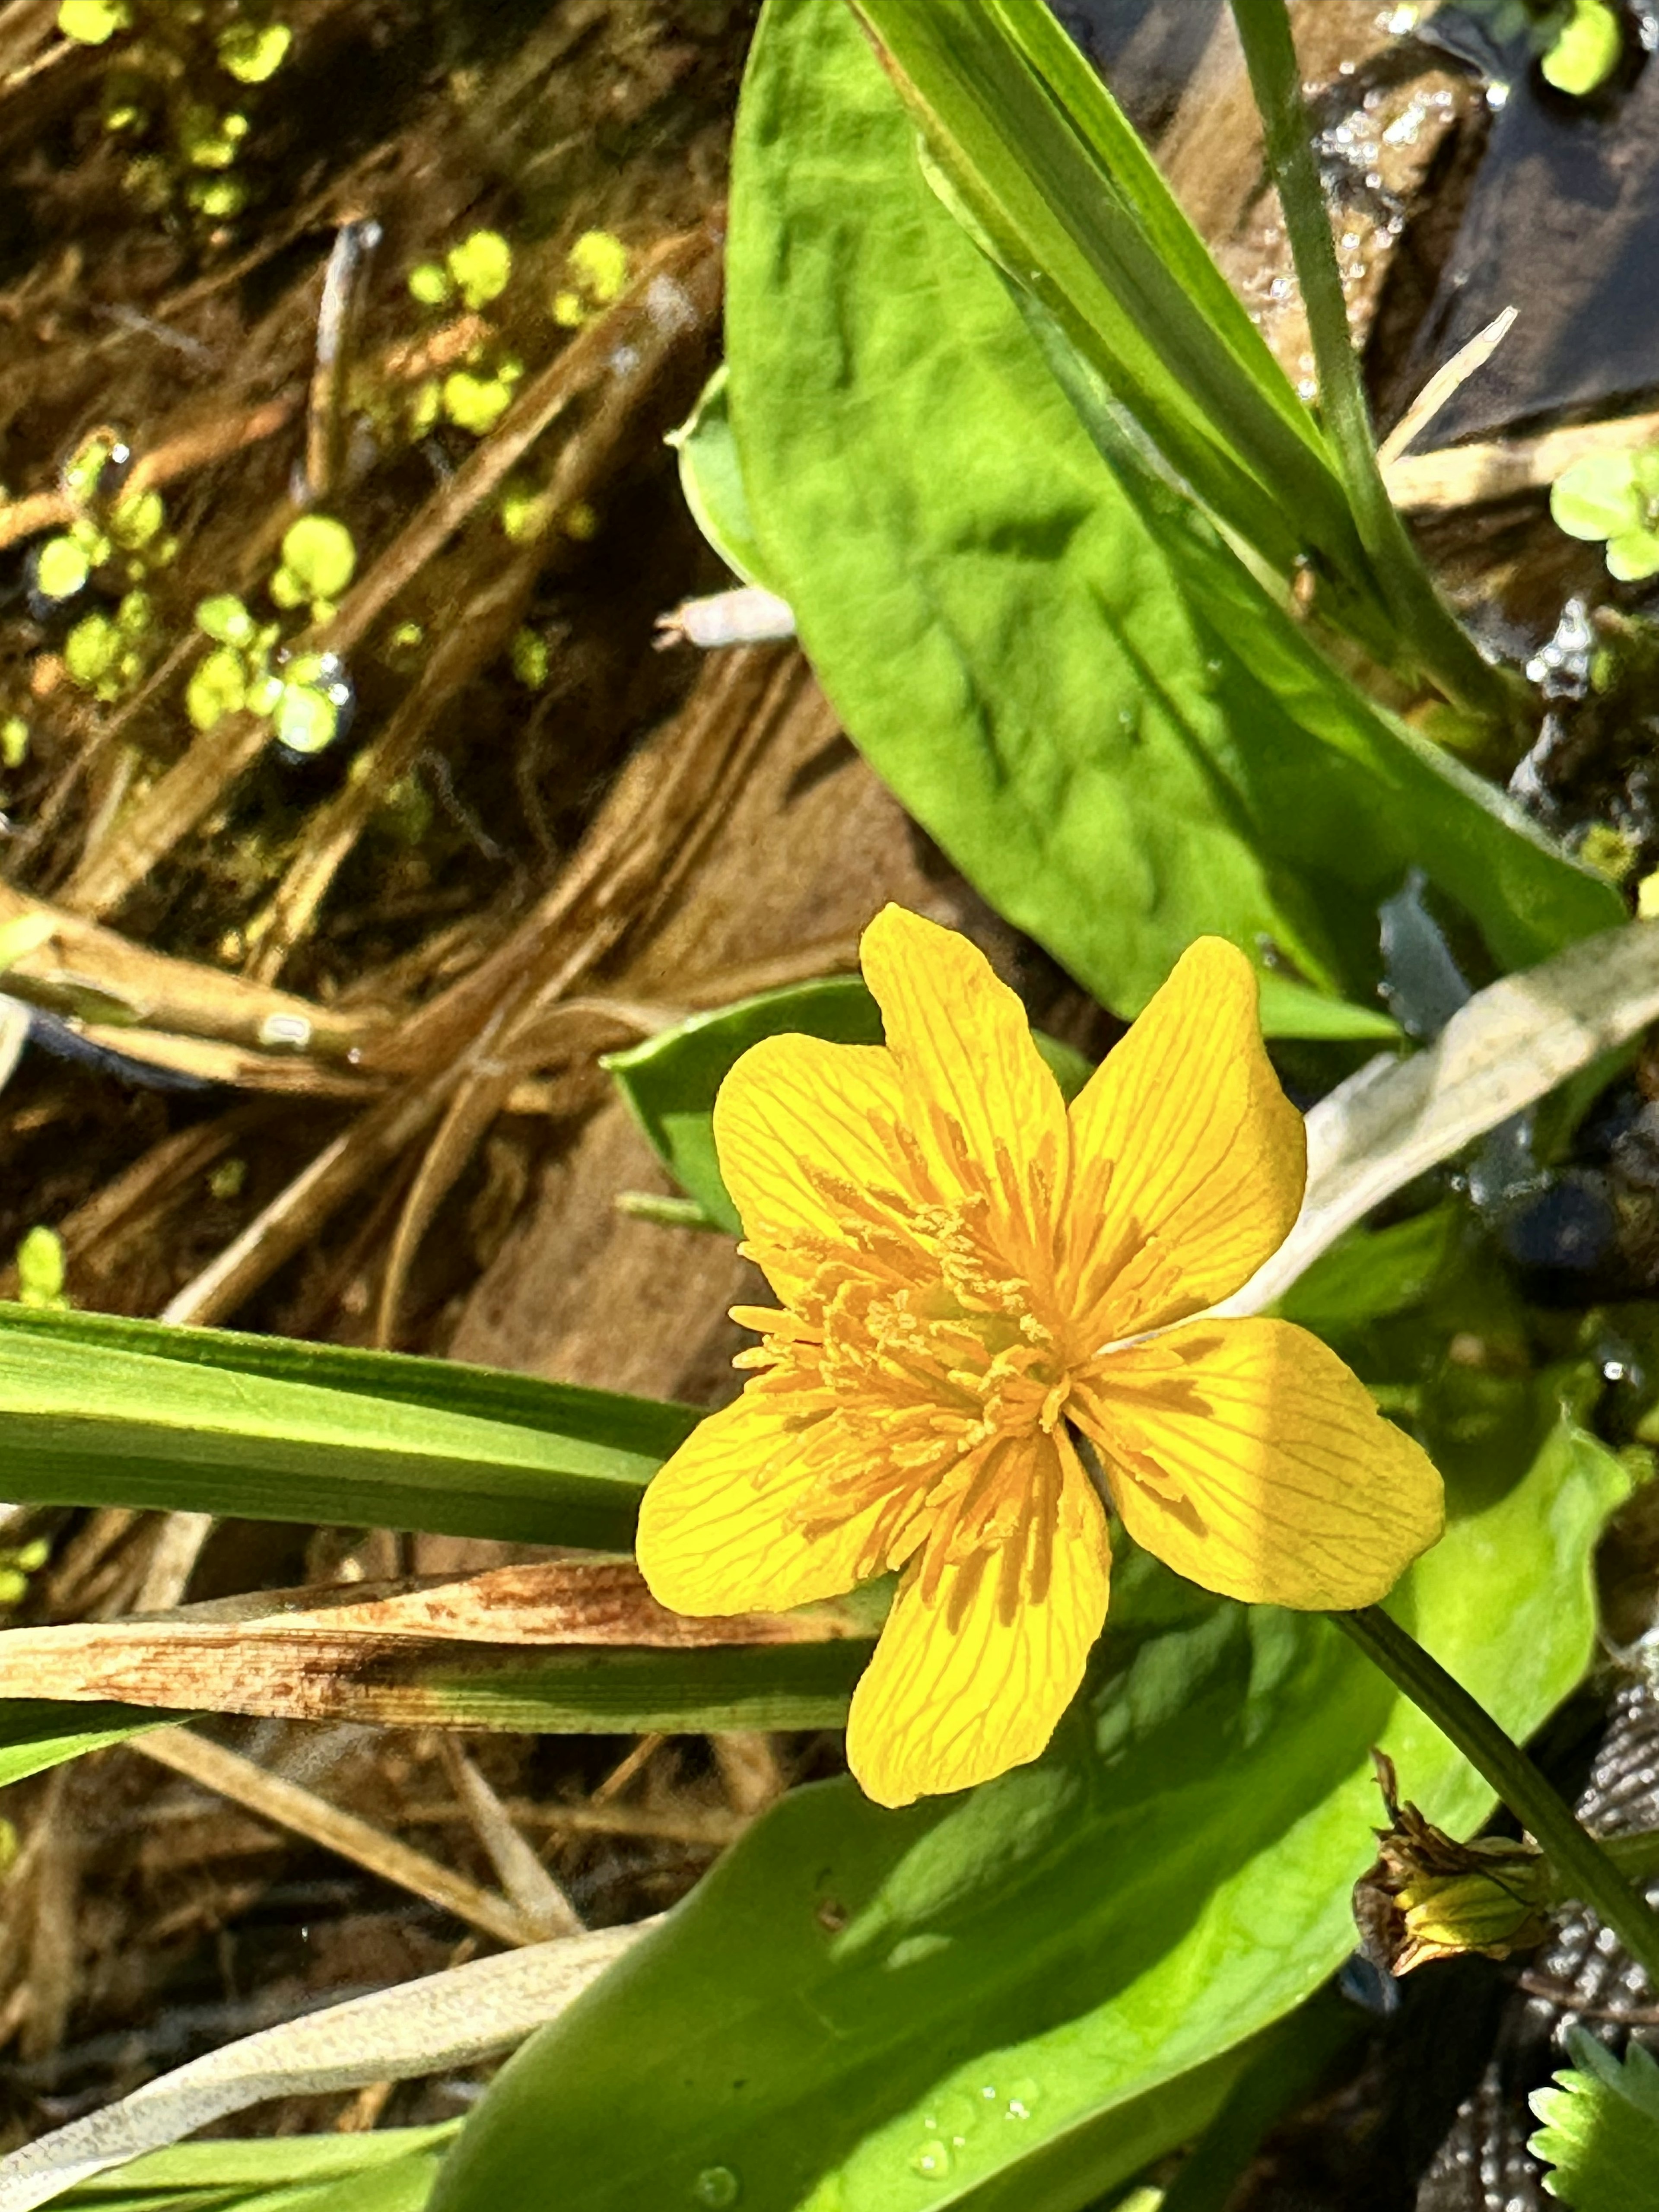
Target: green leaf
<point>1597,497</point>
<point>99,1412</point>
<point>1070,203</point>
<point>1290,1009</point>
<point>1588,50</point>
<point>386,2171</point>
<point>1120,737</point>
<point>1371,1272</point>
<point>1323,770</point>
<point>1600,2131</point>
<point>1633,555</point>
<point>1092,1939</point>
<point>800,1686</point>
<point>35,1734</point>
<point>534,1693</point>
<point>711,477</point>
<point>670,1081</point>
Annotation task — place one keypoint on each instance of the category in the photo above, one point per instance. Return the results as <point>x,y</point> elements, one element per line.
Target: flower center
<point>922,1354</point>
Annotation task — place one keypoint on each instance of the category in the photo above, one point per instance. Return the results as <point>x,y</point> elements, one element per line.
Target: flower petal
<point>977,1663</point>
<point>718,1524</point>
<point>794,1116</point>
<point>1188,1159</point>
<point>983,1103</point>
<point>1245,1455</point>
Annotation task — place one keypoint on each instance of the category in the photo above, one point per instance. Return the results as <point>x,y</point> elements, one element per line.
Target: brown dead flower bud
<point>1429,1897</point>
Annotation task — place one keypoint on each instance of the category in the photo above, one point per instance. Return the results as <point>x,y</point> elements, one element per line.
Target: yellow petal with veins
<point>980,1658</point>
<point>981,1100</point>
<point>721,1521</point>
<point>1245,1455</point>
<point>1188,1159</point>
<point>795,1116</point>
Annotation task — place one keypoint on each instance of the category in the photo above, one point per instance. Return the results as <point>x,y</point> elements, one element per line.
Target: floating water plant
<point>94,23</point>
<point>596,269</point>
<point>318,561</point>
<point>1587,51</point>
<point>1613,498</point>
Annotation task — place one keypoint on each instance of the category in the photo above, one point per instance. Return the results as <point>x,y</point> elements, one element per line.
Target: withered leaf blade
<point>389,1650</point>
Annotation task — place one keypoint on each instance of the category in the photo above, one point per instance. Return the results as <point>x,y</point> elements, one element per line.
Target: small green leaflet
<point>1600,2131</point>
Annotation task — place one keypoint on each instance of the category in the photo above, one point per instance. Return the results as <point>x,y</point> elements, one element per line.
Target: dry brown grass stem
<point>287,1805</point>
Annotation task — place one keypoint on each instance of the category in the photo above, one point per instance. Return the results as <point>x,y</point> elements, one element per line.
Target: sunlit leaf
<point>1077,1940</point>
<point>1090,714</point>
<point>102,1412</point>
<point>1056,180</point>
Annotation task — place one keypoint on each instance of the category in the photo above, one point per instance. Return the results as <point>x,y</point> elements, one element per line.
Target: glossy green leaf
<point>1600,2131</point>
<point>99,1412</point>
<point>669,1080</point>
<point>1037,663</point>
<point>1371,1272</point>
<point>1003,1999</point>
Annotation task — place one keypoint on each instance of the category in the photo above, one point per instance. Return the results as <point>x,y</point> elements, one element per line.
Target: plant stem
<point>1432,632</point>
<point>1583,1868</point>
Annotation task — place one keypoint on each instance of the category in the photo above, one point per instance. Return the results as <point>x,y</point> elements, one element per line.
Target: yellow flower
<point>970,1273</point>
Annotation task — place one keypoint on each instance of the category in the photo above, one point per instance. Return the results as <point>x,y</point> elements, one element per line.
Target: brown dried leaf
<point>340,1651</point>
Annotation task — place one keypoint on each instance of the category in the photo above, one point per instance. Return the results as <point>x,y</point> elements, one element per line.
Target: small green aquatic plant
<point>171,94</point>
<point>40,1269</point>
<point>1613,499</point>
<point>303,695</point>
<point>596,270</point>
<point>1587,51</point>
<point>473,275</point>
<point>319,561</point>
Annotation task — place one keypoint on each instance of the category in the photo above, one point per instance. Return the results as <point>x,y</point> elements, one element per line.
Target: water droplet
<point>989,2093</point>
<point>716,2186</point>
<point>953,2115</point>
<point>931,2160</point>
<point>285,1032</point>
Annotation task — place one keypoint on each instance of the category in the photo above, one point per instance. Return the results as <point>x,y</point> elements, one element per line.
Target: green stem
<point>1432,633</point>
<point>1583,1868</point>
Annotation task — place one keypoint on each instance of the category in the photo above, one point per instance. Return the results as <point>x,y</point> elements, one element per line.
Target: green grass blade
<point>1075,209</point>
<point>36,1733</point>
<point>101,1413</point>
